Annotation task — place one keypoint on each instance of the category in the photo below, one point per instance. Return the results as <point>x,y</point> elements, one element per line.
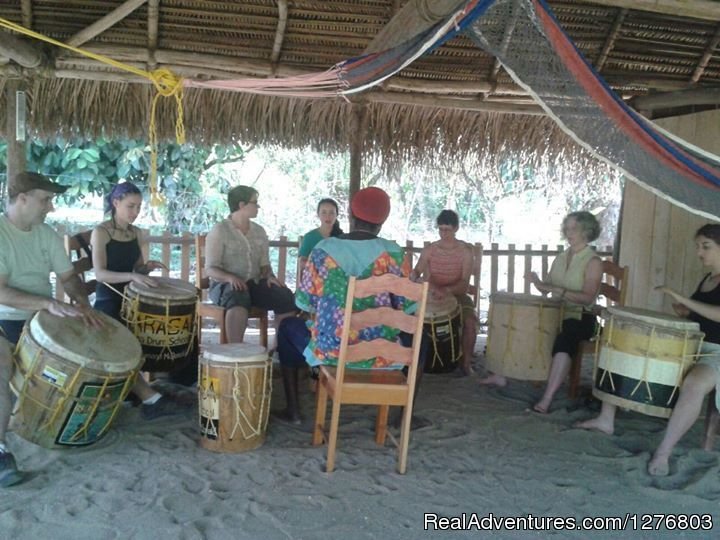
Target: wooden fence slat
<point>493,268</point>
<point>185,257</point>
<point>527,267</point>
<point>511,269</point>
<point>282,261</point>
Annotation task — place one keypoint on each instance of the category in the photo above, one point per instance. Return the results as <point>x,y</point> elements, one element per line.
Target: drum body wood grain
<point>521,333</point>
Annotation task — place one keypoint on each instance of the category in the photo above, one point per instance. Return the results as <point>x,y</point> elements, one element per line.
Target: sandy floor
<point>483,454</point>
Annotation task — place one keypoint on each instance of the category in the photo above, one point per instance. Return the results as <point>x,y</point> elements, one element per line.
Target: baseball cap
<point>27,181</point>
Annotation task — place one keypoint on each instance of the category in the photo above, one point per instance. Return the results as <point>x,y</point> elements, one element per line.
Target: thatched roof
<point>448,103</point>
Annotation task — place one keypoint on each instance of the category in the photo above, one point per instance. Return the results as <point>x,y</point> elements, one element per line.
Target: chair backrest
<point>386,315</point>
<point>78,249</point>
<point>202,282</point>
<point>474,284</point>
<point>614,281</point>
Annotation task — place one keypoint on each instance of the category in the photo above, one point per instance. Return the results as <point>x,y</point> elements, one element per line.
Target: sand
<point>482,454</point>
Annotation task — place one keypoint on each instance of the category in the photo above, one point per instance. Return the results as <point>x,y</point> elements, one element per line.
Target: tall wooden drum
<point>234,389</point>
<point>163,319</point>
<point>442,326</point>
<point>70,380</point>
<point>644,356</point>
<point>521,333</point>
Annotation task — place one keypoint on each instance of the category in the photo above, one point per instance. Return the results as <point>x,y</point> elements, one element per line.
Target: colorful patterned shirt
<point>323,289</point>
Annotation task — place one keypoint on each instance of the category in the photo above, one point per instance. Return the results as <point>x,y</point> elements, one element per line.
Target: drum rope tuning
<point>643,358</point>
<point>65,396</point>
<point>437,356</point>
<point>237,396</point>
<point>162,342</point>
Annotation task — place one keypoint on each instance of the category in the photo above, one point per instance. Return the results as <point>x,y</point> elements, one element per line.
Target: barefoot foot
<point>658,466</point>
<point>596,424</point>
<point>539,408</point>
<point>494,379</point>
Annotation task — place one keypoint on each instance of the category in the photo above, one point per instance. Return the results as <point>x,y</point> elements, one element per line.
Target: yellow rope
<point>166,83</point>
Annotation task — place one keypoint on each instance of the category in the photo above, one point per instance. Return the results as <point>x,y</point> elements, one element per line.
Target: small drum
<point>163,319</point>
<point>71,380</point>
<point>644,356</point>
<point>521,333</point>
<point>443,323</point>
<point>234,388</point>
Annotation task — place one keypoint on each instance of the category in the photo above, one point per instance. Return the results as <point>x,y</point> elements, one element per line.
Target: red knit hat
<point>371,204</point>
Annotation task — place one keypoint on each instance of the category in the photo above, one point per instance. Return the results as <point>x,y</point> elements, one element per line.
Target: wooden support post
<point>357,141</point>
<point>16,159</point>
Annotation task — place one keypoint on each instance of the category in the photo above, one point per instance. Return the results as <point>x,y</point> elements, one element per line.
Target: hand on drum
<point>681,310</point>
<point>142,279</point>
<point>439,293</point>
<point>678,306</point>
<point>89,316</point>
<point>533,278</point>
<point>154,265</point>
<point>272,280</point>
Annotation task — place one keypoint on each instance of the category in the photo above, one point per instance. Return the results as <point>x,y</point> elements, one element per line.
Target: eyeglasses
<point>254,202</point>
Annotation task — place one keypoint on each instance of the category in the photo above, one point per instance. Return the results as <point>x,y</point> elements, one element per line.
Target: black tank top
<point>120,257</point>
<point>711,328</point>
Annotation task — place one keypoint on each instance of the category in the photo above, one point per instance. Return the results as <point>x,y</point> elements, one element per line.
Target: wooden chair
<point>78,248</point>
<point>373,387</point>
<point>213,311</point>
<point>613,288</point>
<point>474,285</point>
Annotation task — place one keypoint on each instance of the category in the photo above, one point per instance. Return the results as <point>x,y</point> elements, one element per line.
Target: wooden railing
<point>499,268</point>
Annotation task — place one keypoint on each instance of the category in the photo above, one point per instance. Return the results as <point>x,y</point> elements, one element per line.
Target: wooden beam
<point>705,10</point>
<point>280,32</point>
<point>358,125</point>
<point>477,105</point>
<point>27,13</point>
<point>618,78</point>
<point>682,98</point>
<point>16,160</point>
<point>612,37</point>
<point>153,19</point>
<point>707,54</point>
<point>102,24</point>
<point>27,54</point>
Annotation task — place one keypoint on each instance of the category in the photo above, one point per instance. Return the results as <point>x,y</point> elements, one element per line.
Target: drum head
<point>654,318</point>
<point>168,288</point>
<point>440,307</point>
<point>523,299</point>
<point>234,353</point>
<point>112,348</point>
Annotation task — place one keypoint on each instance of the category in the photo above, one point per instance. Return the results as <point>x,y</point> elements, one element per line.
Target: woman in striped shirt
<point>447,265</point>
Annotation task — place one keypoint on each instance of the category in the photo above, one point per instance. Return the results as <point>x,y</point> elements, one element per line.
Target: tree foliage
<point>94,166</point>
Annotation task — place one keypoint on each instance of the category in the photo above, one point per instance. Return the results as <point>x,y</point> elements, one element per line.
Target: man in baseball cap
<point>322,291</point>
<point>29,251</point>
<point>28,181</point>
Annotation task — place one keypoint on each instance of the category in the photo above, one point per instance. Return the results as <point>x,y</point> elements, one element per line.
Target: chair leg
<point>332,438</point>
<point>712,421</point>
<point>320,411</point>
<point>404,439</point>
<point>381,424</point>
<point>264,331</point>
<point>575,369</point>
